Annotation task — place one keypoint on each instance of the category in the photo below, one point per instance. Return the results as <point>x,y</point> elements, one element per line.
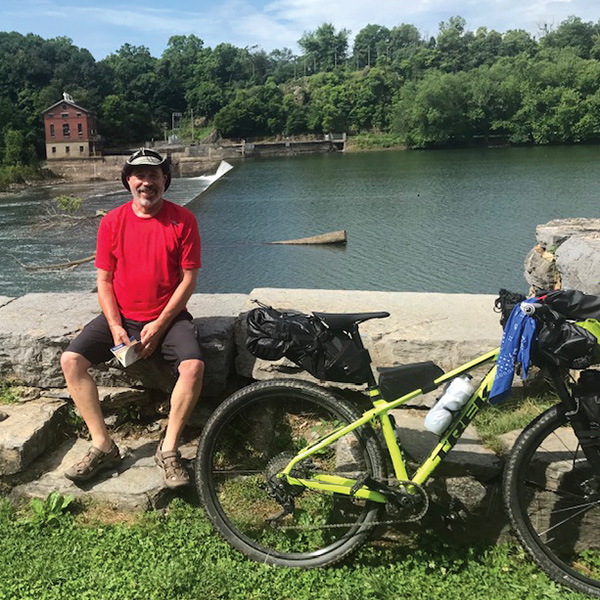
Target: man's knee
<point>191,370</point>
<point>73,363</point>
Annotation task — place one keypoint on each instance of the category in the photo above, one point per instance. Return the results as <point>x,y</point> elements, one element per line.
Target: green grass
<point>176,555</point>
<point>374,141</point>
<point>514,413</point>
<point>10,392</point>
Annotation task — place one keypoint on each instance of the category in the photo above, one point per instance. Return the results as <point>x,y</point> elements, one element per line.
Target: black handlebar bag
<point>566,344</point>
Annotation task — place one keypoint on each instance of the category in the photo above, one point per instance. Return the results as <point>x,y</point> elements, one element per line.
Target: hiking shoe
<point>175,474</point>
<point>93,462</point>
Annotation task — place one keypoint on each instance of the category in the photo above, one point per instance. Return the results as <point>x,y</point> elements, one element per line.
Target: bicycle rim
<point>253,436</point>
<point>553,501</point>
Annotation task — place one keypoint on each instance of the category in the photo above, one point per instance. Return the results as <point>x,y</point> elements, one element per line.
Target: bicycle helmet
<point>145,156</point>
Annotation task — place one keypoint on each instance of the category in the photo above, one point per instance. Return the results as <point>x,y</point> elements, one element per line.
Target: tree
<point>255,111</point>
<point>452,45</point>
<point>325,49</point>
<point>125,121</point>
<point>572,33</point>
<point>517,41</point>
<point>370,43</point>
<point>433,111</point>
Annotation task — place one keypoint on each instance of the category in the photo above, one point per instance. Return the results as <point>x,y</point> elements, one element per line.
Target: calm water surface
<point>447,221</point>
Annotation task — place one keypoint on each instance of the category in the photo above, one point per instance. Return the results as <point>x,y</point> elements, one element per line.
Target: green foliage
<point>177,556</point>
<point>325,49</point>
<point>68,204</point>
<point>515,413</point>
<point>49,512</point>
<point>10,392</point>
<point>456,88</point>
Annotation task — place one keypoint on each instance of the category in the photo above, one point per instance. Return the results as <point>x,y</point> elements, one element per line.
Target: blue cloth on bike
<point>515,348</point>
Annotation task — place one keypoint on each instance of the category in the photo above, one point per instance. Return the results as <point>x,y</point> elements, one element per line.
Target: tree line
<point>448,90</point>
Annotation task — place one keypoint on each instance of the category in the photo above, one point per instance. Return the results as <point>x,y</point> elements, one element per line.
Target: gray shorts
<point>178,344</point>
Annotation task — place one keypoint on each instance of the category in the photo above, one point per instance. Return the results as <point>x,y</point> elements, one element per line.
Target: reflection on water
<point>454,221</point>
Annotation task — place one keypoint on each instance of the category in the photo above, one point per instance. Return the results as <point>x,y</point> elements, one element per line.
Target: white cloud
<point>104,27</point>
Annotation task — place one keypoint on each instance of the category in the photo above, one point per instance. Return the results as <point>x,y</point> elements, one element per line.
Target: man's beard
<point>152,192</point>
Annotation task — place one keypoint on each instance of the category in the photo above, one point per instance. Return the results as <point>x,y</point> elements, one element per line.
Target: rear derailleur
<point>280,489</point>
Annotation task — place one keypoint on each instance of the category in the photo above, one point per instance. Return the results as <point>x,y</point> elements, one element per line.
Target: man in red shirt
<point>148,256</point>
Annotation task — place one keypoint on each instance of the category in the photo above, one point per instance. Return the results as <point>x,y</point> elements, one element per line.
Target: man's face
<point>147,184</point>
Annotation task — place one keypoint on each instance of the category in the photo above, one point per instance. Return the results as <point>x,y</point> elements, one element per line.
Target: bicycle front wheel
<point>553,501</point>
<point>249,439</point>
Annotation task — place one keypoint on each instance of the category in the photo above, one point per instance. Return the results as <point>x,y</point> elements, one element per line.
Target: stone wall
<point>567,256</point>
<point>446,328</point>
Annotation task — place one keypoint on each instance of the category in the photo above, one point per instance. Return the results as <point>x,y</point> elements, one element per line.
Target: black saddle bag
<point>327,354</point>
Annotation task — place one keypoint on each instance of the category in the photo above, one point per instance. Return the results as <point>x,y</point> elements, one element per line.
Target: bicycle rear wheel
<point>553,501</point>
<point>251,437</point>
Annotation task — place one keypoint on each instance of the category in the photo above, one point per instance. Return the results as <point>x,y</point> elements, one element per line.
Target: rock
<point>468,491</point>
<point>4,300</point>
<point>27,432</point>
<point>215,316</point>
<point>566,256</point>
<point>138,484</point>
<point>552,234</point>
<point>578,261</point>
<point>540,269</point>
<point>34,331</point>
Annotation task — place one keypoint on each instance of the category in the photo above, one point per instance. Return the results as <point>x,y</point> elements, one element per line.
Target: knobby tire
<point>547,494</point>
<point>255,432</point>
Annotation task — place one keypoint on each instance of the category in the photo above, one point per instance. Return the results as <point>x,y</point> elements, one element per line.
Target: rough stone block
<point>138,484</point>
<point>554,233</point>
<point>35,329</point>
<point>4,300</point>
<point>27,432</point>
<point>578,261</point>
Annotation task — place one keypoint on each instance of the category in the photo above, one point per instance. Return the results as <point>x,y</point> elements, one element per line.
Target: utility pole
<point>192,111</point>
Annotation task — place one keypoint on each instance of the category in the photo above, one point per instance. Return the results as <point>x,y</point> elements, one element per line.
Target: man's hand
<point>119,335</point>
<point>151,335</point>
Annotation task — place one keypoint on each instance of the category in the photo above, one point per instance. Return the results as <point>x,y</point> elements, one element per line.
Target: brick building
<point>70,130</point>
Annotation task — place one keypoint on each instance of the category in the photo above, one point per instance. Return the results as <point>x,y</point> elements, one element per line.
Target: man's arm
<point>153,331</point>
<point>108,304</point>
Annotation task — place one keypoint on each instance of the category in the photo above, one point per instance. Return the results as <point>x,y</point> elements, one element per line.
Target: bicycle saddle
<point>347,320</point>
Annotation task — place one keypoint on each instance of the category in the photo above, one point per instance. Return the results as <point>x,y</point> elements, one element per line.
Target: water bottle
<point>456,395</point>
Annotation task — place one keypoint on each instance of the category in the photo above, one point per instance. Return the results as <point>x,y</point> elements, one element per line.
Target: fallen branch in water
<point>67,265</point>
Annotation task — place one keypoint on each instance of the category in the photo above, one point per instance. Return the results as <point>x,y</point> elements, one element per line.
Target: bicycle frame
<point>379,415</point>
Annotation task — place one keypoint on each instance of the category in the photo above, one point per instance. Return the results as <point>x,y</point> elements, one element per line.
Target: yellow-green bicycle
<point>294,475</point>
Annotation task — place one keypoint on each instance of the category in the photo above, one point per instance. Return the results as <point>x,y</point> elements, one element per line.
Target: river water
<point>439,221</point>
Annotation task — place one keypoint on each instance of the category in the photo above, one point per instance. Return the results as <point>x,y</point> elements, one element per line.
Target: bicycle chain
<point>412,519</point>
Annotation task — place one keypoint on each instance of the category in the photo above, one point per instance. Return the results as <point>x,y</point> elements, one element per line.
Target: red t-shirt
<point>147,256</point>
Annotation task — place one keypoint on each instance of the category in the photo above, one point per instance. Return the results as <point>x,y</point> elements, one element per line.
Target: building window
<point>64,115</point>
<point>51,115</point>
<point>67,150</point>
<point>79,129</point>
<point>80,149</point>
<point>52,132</point>
<point>53,149</point>
<point>66,130</point>
<point>78,114</point>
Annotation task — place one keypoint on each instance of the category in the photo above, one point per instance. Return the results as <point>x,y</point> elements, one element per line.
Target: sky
<point>103,26</point>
